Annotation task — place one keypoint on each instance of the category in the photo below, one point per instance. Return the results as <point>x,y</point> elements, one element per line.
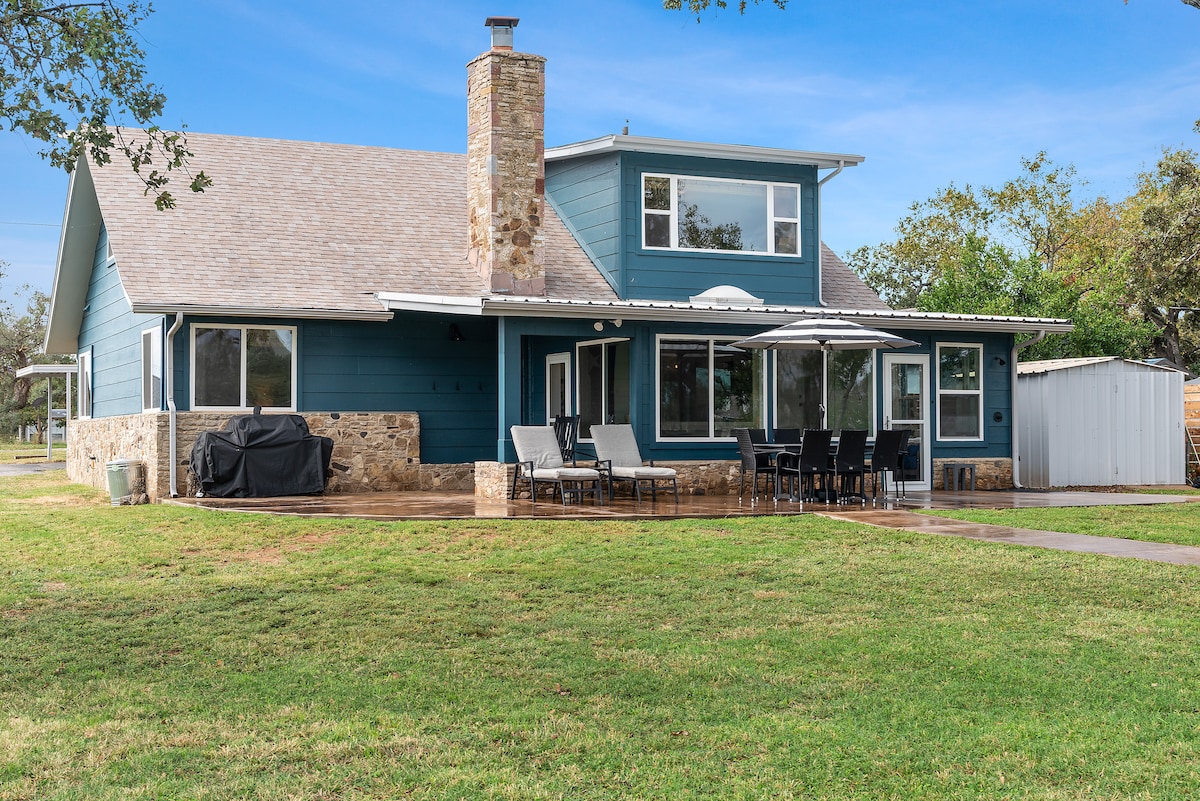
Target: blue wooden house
<point>415,305</point>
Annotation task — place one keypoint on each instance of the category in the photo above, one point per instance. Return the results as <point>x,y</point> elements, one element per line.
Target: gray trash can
<point>126,478</point>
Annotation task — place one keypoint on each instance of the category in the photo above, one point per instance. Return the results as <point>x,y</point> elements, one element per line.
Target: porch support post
<point>508,389</point>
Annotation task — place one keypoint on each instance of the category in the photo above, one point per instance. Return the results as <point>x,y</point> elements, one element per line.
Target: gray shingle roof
<point>841,288</point>
<point>305,225</point>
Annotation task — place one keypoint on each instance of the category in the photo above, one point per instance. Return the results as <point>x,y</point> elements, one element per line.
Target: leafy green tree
<point>71,73</point>
<point>1162,248</point>
<point>698,7</point>
<point>21,338</point>
<point>1025,248</point>
<point>929,242</point>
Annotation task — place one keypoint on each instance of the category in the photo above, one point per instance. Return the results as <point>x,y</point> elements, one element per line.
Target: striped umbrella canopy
<point>824,333</point>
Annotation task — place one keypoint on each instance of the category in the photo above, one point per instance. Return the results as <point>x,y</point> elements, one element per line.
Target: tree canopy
<point>698,7</point>
<point>1127,274</point>
<point>71,75</point>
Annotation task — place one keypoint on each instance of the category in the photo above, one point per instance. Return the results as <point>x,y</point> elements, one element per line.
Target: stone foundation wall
<point>493,479</point>
<point>990,474</point>
<point>372,451</point>
<point>92,444</point>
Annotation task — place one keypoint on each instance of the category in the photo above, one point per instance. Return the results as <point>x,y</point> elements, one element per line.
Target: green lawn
<point>159,652</point>
<point>1171,523</point>
<point>29,452</point>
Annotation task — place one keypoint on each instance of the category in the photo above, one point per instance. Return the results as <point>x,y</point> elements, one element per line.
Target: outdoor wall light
<point>616,323</point>
<point>999,360</point>
<point>454,334</point>
<point>598,325</point>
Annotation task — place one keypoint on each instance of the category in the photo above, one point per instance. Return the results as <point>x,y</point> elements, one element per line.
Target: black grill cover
<point>260,456</point>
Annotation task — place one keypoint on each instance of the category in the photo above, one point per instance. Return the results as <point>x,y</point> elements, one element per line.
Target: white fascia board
<point>47,369</point>
<point>274,312</point>
<point>72,268</point>
<point>676,147</point>
<point>663,311</point>
<point>439,304</point>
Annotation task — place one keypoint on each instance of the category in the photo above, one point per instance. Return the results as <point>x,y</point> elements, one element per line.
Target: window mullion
<point>712,392</point>
<point>242,377</point>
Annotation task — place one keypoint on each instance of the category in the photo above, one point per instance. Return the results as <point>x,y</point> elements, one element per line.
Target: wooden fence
<point>1191,418</point>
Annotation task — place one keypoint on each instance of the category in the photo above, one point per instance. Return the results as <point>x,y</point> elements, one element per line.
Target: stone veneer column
<point>506,170</point>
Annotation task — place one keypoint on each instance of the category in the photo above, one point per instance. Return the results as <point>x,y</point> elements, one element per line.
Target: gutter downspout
<point>821,267</point>
<point>1016,439</point>
<point>170,382</point>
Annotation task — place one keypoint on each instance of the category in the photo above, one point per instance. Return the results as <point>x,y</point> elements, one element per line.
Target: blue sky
<point>932,93</point>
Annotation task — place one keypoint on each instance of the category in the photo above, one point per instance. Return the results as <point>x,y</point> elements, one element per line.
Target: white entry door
<point>906,407</point>
<point>558,385</point>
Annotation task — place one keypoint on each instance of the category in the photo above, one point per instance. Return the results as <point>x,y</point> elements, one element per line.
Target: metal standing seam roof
<point>1053,365</point>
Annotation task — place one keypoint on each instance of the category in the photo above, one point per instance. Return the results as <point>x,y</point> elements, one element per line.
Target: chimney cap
<point>502,31</point>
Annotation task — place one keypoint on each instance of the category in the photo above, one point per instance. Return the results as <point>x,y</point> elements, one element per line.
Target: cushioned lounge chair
<point>617,452</point>
<point>540,462</point>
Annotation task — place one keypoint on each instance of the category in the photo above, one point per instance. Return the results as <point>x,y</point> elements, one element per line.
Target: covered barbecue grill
<point>260,456</point>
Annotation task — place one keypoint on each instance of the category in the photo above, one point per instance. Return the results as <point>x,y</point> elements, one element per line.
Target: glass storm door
<point>558,385</point>
<point>906,407</point>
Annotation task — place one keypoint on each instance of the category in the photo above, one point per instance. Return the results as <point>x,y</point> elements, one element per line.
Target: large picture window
<point>243,367</point>
<point>841,381</point>
<point>686,213</point>
<point>960,392</point>
<point>707,388</point>
<point>603,390</point>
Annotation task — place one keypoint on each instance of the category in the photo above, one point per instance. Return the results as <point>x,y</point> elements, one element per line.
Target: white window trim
<point>242,376</point>
<point>563,359</point>
<point>83,411</point>
<point>156,334</point>
<point>771,219</point>
<point>603,371</point>
<point>872,427</point>
<point>937,378</point>
<point>712,422</point>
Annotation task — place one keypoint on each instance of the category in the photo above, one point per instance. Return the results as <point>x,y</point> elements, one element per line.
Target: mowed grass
<point>1175,523</point>
<point>14,452</point>
<point>159,652</point>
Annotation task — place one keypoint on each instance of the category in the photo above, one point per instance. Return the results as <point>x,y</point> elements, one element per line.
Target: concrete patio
<point>458,505</point>
<point>890,513</point>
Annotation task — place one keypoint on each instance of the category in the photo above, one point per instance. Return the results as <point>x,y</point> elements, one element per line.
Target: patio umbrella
<point>824,333</point>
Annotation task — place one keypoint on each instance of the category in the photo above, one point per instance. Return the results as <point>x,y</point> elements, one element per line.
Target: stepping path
<point>1079,543</point>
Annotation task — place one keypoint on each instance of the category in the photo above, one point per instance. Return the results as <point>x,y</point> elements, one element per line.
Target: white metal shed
<point>1099,422</point>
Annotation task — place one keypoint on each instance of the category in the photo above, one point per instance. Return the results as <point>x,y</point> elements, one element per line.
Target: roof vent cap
<point>726,295</point>
<point>502,31</point>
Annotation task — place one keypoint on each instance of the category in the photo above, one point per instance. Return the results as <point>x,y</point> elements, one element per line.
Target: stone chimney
<point>506,174</point>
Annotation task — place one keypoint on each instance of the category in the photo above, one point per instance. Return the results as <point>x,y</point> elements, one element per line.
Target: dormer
<point>665,219</point>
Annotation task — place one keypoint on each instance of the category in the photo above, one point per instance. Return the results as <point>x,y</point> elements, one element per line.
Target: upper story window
<point>730,216</point>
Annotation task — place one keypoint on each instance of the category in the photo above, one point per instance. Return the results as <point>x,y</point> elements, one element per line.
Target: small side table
<point>956,474</point>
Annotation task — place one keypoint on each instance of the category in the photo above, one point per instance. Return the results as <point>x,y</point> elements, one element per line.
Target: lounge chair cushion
<point>644,472</point>
<point>565,474</point>
<point>537,444</point>
<point>616,444</point>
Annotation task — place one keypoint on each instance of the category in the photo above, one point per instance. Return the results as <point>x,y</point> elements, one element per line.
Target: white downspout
<point>169,368</point>
<point>820,255</point>
<point>1016,437</point>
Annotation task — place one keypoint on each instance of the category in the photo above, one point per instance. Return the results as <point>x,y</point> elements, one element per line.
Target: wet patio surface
<point>461,505</point>
<point>889,513</point>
